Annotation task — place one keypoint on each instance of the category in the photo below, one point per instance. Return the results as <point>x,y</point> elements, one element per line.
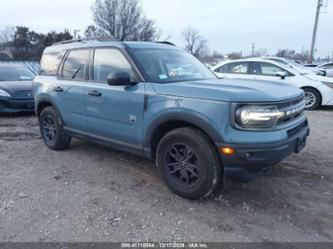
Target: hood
<point>230,90</point>
<point>16,86</point>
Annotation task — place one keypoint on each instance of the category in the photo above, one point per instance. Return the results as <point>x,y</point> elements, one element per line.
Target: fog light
<point>228,151</point>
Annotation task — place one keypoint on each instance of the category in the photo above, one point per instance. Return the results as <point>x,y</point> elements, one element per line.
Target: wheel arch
<point>315,89</point>
<point>161,126</point>
<point>46,102</point>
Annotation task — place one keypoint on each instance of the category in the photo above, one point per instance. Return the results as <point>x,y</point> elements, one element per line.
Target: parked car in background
<point>318,89</point>
<point>160,102</point>
<point>310,65</point>
<point>294,65</point>
<point>328,67</point>
<point>16,88</point>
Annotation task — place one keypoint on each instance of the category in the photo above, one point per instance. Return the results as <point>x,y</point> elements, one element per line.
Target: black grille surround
<point>292,109</point>
<point>20,95</point>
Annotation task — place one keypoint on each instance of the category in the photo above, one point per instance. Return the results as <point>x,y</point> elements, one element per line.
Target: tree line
<point>122,20</point>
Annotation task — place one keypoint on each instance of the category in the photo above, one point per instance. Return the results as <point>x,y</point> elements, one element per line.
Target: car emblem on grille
<point>295,110</point>
<point>30,94</point>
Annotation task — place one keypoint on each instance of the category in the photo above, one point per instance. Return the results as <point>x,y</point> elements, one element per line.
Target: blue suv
<point>157,101</point>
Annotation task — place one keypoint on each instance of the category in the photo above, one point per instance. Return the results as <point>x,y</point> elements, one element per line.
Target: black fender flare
<point>196,120</point>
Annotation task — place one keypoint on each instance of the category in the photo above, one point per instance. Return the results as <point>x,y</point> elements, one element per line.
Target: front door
<point>114,112</point>
<point>269,72</point>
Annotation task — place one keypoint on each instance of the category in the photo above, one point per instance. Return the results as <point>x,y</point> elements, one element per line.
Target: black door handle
<point>95,93</point>
<point>58,89</point>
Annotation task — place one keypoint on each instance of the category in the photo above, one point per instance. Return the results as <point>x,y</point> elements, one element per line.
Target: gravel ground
<point>93,193</point>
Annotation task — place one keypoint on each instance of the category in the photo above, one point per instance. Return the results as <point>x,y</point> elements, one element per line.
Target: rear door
<point>70,89</point>
<point>114,112</point>
<point>234,70</point>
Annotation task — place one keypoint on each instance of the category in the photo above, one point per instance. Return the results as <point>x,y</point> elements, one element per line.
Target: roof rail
<point>166,42</point>
<point>101,39</point>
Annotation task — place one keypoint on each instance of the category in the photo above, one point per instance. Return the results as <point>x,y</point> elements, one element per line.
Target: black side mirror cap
<point>119,79</point>
<point>281,74</point>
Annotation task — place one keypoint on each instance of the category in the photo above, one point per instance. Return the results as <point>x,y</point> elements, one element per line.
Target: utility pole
<point>253,49</point>
<point>320,4</point>
<point>76,31</point>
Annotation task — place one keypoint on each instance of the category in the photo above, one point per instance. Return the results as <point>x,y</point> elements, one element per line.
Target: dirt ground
<point>93,193</point>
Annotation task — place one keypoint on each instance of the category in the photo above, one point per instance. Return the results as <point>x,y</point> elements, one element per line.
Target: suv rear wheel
<point>188,163</point>
<point>51,129</point>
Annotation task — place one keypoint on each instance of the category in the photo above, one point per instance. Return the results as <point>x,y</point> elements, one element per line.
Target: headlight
<point>252,117</point>
<point>3,93</point>
<point>329,84</point>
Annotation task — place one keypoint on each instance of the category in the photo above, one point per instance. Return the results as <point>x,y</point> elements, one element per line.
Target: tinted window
<point>223,69</point>
<point>110,60</point>
<point>328,66</point>
<point>268,69</point>
<point>50,64</point>
<point>239,68</point>
<point>15,74</point>
<point>171,65</point>
<point>75,65</point>
<point>279,61</point>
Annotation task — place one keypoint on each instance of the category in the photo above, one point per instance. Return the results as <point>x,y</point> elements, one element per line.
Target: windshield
<point>292,62</point>
<point>167,66</point>
<point>15,74</point>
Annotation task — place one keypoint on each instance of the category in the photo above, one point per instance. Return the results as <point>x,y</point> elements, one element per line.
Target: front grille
<point>292,109</point>
<point>16,104</point>
<point>297,129</point>
<point>23,95</point>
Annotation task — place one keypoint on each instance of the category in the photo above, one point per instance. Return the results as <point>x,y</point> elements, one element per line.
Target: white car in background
<point>292,64</point>
<point>328,67</point>
<point>318,89</point>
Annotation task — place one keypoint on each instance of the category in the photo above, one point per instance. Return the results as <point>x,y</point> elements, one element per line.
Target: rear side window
<point>50,63</point>
<point>239,68</point>
<point>223,69</point>
<point>110,60</point>
<point>75,65</point>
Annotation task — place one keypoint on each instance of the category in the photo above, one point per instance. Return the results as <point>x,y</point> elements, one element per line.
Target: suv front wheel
<point>188,163</point>
<point>51,129</point>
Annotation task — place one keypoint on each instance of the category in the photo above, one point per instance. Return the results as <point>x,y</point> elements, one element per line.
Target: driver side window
<point>266,69</point>
<point>107,60</point>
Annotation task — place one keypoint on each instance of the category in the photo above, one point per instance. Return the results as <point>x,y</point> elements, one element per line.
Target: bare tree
<point>194,43</point>
<point>123,19</point>
<point>94,32</point>
<point>162,36</point>
<point>7,34</point>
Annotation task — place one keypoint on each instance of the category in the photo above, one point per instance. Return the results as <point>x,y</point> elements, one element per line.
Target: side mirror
<point>119,79</point>
<point>281,74</point>
<point>321,72</point>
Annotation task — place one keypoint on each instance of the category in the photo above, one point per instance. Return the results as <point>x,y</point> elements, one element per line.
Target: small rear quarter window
<point>50,63</point>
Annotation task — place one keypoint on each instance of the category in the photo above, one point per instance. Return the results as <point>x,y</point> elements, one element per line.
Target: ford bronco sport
<point>157,101</point>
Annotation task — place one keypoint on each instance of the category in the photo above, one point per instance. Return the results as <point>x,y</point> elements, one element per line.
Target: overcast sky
<point>228,25</point>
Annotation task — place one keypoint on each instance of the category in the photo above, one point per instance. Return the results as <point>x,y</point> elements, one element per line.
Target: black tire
<point>312,98</point>
<point>197,162</point>
<point>52,130</point>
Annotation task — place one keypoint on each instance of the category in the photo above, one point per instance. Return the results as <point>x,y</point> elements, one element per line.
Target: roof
<point>100,43</point>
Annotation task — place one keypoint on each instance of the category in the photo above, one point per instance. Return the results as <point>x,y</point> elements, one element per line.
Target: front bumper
<point>16,106</point>
<point>251,159</point>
